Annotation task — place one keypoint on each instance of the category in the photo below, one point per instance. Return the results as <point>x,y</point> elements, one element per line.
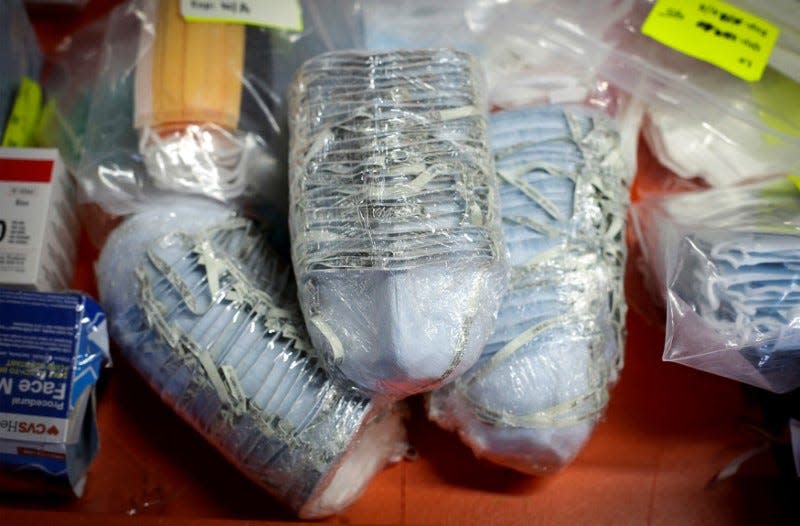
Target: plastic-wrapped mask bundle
<point>730,263</point>
<point>532,400</point>
<point>396,238</point>
<point>207,314</point>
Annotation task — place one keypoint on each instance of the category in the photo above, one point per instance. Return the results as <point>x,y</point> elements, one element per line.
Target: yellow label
<point>278,14</point>
<point>714,32</point>
<point>24,115</point>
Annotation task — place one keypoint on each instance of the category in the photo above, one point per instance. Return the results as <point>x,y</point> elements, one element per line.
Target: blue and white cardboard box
<point>52,348</point>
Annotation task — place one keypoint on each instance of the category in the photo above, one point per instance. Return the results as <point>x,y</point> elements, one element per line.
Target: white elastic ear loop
<point>196,160</point>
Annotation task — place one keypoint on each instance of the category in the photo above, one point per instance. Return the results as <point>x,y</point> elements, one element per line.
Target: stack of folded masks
<point>396,237</point>
<point>732,274</point>
<point>533,398</point>
<point>206,313</point>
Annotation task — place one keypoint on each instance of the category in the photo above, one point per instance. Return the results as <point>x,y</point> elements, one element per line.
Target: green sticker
<point>796,180</point>
<point>778,98</point>
<point>715,32</point>
<point>24,115</point>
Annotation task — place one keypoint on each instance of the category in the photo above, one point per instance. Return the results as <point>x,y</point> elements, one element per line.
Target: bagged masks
<point>728,263</point>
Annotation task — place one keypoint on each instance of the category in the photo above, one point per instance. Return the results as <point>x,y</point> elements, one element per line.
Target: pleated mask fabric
<point>396,238</point>
<point>730,267</point>
<point>541,384</point>
<point>207,313</point>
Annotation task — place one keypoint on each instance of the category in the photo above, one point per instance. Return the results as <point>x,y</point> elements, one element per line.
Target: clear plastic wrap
<point>728,262</point>
<point>194,108</point>
<point>68,78</point>
<point>396,238</point>
<point>19,54</point>
<point>207,314</point>
<point>515,45</point>
<point>541,384</point>
<point>702,120</point>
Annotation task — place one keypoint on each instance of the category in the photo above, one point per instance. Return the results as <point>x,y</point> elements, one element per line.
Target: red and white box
<point>39,226</point>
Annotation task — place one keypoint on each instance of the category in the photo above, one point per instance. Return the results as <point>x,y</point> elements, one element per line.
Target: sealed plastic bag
<point>703,121</point>
<point>195,108</point>
<point>541,384</point>
<point>728,261</point>
<point>396,239</point>
<point>19,55</point>
<point>517,46</point>
<point>206,312</point>
<point>68,80</point>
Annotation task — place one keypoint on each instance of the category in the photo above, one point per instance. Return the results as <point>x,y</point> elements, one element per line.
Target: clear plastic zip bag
<point>728,263</point>
<point>20,55</point>
<point>171,106</point>
<point>701,121</point>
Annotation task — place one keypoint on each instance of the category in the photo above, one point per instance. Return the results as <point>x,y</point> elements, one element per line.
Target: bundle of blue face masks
<point>206,312</point>
<point>729,263</point>
<point>533,398</point>
<point>396,239</point>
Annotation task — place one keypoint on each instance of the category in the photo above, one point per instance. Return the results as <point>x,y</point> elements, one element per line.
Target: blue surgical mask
<point>395,215</point>
<point>212,323</point>
<point>542,381</point>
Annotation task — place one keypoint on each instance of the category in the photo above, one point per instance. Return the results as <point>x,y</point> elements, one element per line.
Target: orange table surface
<point>668,432</point>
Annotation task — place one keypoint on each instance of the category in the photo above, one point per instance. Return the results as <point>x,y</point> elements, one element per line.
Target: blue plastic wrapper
<point>52,349</point>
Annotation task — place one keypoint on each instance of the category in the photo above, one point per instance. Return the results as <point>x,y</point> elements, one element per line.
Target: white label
<point>25,188</point>
<point>32,428</point>
<point>280,14</point>
<point>38,226</point>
